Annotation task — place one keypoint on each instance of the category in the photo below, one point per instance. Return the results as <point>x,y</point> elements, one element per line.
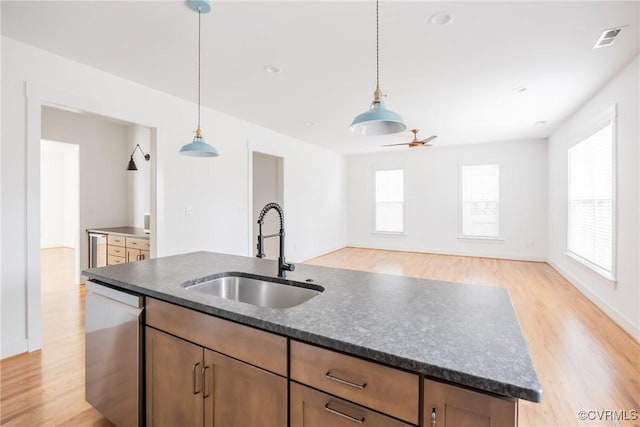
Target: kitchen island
<point>464,337</point>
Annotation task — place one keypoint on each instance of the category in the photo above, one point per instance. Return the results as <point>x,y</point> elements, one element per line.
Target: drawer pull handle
<point>328,408</point>
<point>345,382</point>
<point>204,382</point>
<point>195,368</point>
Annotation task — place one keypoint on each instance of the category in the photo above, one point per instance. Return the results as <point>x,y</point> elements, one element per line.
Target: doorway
<point>59,204</point>
<point>268,186</point>
<point>37,97</point>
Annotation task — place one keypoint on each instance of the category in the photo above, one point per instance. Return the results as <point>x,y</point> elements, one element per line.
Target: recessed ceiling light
<point>519,89</point>
<point>441,18</point>
<point>271,69</point>
<point>310,124</point>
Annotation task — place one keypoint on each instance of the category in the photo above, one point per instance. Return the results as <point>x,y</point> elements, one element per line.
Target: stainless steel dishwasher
<point>113,354</point>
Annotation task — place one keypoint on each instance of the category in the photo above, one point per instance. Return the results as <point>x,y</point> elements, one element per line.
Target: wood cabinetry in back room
<point>121,249</point>
<point>123,245</point>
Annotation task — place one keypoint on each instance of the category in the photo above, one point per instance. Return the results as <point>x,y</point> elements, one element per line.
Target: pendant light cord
<point>199,36</point>
<point>377,49</point>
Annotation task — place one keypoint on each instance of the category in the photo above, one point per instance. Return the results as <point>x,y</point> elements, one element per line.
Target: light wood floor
<point>584,360</point>
<point>46,387</point>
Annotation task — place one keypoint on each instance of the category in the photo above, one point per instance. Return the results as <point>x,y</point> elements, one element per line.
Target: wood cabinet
<point>312,408</point>
<point>238,394</point>
<point>450,406</point>
<point>137,249</point>
<point>173,381</point>
<point>373,385</point>
<point>251,345</point>
<point>123,249</point>
<point>212,388</point>
<point>203,370</point>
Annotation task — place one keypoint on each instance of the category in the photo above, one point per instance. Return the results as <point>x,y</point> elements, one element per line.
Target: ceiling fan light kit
<point>199,147</point>
<point>377,120</point>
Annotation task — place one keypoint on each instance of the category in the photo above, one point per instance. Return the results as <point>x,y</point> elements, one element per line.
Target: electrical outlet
<point>188,210</point>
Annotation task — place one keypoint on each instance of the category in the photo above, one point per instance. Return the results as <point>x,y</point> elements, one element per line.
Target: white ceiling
<point>454,81</point>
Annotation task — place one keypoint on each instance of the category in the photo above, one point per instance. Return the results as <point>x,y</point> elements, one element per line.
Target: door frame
<point>270,151</point>
<point>38,96</point>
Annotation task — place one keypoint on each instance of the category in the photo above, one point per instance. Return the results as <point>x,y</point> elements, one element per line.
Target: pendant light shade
<point>199,147</point>
<point>377,120</point>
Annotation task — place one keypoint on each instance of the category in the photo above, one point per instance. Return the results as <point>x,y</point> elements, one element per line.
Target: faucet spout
<point>282,264</point>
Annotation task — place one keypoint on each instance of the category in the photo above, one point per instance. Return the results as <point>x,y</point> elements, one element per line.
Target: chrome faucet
<point>282,264</point>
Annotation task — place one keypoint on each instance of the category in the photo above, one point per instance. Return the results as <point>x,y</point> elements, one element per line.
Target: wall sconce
<point>132,165</point>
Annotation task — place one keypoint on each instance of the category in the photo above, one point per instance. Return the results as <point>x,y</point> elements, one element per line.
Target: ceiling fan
<point>415,142</point>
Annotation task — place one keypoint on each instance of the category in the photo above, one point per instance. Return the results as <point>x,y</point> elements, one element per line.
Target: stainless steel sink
<point>257,290</point>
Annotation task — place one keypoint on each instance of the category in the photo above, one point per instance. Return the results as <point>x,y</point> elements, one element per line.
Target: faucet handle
<point>288,267</point>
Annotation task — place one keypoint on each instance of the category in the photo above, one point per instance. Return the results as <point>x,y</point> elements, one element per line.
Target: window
<point>480,200</point>
<point>591,201</point>
<point>389,201</point>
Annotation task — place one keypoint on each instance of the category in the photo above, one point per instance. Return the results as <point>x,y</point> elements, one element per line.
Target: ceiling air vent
<point>607,37</point>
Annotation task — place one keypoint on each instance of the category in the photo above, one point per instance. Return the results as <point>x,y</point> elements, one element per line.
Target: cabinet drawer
<point>385,389</point>
<point>311,408</point>
<point>113,260</point>
<point>115,240</point>
<point>119,251</point>
<point>259,348</point>
<point>133,242</point>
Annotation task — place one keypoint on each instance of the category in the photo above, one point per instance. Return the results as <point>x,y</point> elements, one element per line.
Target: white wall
<point>104,154</point>
<point>315,197</point>
<point>217,189</point>
<point>59,195</point>
<point>139,182</point>
<point>621,300</point>
<point>52,199</point>
<point>432,199</point>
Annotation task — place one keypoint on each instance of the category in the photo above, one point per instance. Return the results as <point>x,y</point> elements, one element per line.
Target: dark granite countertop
<point>465,334</point>
<point>121,231</point>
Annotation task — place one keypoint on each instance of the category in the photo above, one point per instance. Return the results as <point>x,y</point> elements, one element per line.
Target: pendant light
<point>199,147</point>
<point>377,120</point>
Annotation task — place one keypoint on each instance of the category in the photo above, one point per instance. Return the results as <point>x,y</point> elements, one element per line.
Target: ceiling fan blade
<point>393,145</point>
<point>431,138</point>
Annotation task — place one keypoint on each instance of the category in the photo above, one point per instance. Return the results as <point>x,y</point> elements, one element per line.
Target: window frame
<point>375,205</point>
<point>600,121</point>
<point>498,237</point>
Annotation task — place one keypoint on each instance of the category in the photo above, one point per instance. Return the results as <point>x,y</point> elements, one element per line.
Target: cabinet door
<point>238,394</point>
<point>311,408</point>
<point>133,255</point>
<point>450,406</point>
<point>174,381</point>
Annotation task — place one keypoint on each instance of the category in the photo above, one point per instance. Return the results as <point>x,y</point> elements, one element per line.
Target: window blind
<point>590,223</point>
<point>389,214</point>
<point>480,200</point>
